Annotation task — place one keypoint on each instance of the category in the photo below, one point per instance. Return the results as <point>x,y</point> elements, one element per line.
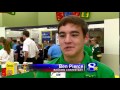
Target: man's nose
<point>68,39</point>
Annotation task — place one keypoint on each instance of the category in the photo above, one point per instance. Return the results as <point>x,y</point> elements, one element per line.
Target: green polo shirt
<point>11,44</point>
<point>88,50</point>
<point>1,47</point>
<point>96,52</point>
<point>102,72</point>
<point>91,46</point>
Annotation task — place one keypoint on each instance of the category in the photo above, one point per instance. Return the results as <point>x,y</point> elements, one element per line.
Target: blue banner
<point>46,36</point>
<point>58,67</point>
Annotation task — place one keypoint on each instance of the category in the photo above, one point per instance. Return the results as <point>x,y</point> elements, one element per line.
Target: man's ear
<point>86,38</point>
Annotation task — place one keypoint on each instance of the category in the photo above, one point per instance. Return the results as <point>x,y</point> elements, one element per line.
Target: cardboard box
<point>11,68</point>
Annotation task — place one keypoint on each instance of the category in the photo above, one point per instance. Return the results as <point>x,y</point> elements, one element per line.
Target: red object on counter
<point>3,72</point>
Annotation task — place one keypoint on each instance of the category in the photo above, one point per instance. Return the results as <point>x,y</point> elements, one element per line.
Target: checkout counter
<point>29,74</point>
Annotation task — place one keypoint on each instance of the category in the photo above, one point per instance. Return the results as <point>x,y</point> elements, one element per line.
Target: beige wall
<point>98,16</point>
<point>111,44</point>
<point>112,61</point>
<point>47,18</point>
<point>20,19</point>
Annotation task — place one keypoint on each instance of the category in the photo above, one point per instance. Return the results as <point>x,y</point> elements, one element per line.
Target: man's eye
<point>61,35</point>
<point>74,35</point>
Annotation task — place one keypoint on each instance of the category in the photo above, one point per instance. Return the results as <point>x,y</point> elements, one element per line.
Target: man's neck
<point>75,59</point>
<point>96,45</point>
<point>26,38</point>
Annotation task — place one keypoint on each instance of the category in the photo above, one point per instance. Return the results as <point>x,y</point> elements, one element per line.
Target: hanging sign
<point>60,15</point>
<point>46,36</point>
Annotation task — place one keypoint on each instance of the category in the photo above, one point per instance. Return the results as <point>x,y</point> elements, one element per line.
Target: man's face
<point>92,41</point>
<point>71,39</point>
<point>23,37</point>
<point>45,42</point>
<point>0,43</point>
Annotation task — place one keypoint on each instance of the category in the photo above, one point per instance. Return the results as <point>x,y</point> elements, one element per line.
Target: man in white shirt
<point>30,48</point>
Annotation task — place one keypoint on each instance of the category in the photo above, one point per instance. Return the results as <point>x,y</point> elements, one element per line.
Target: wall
<point>2,32</point>
<point>111,44</point>
<point>0,19</point>
<point>20,19</point>
<point>98,16</point>
<point>47,18</point>
<point>112,61</point>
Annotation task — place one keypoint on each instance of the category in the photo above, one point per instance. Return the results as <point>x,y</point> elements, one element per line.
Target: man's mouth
<point>68,48</point>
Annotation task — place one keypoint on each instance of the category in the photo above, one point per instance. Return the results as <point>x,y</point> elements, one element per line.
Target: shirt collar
<point>97,45</point>
<point>84,61</point>
<point>27,38</point>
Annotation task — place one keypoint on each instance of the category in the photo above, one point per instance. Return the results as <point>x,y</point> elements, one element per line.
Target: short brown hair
<point>2,39</point>
<point>76,21</point>
<point>26,33</point>
<point>21,39</point>
<point>96,40</point>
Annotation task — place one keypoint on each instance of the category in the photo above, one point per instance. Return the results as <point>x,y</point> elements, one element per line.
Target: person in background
<point>14,45</point>
<point>46,47</point>
<point>30,48</point>
<point>6,54</point>
<point>33,39</point>
<point>54,51</point>
<point>90,45</point>
<point>99,40</point>
<point>19,54</point>
<point>86,46</point>
<point>1,39</point>
<point>97,55</point>
<point>18,43</point>
<point>71,34</point>
<point>9,39</point>
<point>88,50</point>
<point>40,54</point>
<point>45,43</point>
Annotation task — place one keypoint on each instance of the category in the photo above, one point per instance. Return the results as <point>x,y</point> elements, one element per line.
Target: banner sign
<point>60,15</point>
<point>46,36</point>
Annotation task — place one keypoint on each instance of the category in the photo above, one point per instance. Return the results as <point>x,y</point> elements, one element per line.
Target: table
<point>23,75</point>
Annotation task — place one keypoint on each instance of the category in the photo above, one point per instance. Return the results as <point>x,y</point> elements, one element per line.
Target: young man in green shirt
<point>86,46</point>
<point>72,34</point>
<point>97,54</point>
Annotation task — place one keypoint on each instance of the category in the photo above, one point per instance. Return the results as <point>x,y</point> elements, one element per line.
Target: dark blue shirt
<point>19,49</point>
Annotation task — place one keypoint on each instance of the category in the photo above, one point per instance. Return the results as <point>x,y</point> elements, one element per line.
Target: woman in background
<point>6,54</point>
